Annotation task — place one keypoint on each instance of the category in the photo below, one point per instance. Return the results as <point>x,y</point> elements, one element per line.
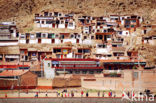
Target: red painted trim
<point>70,59</point>
<point>78,68</point>
<point>109,33</point>
<point>13,66</point>
<point>44,87</point>
<point>75,64</point>
<point>17,87</point>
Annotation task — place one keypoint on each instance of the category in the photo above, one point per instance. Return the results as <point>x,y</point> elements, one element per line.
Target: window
<point>79,50</point>
<point>55,13</point>
<point>70,24</point>
<point>84,72</point>
<point>85,37</point>
<point>22,51</point>
<point>55,63</point>
<point>57,50</point>
<point>62,36</point>
<point>33,54</point>
<point>37,21</point>
<point>11,31</point>
<point>133,21</point>
<point>78,36</point>
<point>71,36</point>
<point>86,28</point>
<point>49,22</point>
<point>109,55</point>
<point>51,35</point>
<point>110,30</point>
<point>59,14</point>
<point>22,36</point>
<point>98,23</point>
<point>114,45</point>
<point>108,36</point>
<point>87,21</point>
<point>45,13</point>
<point>91,72</point>
<point>92,37</point>
<point>44,35</point>
<point>56,36</point>
<point>132,26</point>
<point>127,21</point>
<point>104,31</point>
<point>77,72</point>
<point>42,22</point>
<point>135,75</point>
<point>38,35</point>
<point>48,64</point>
<point>102,46</point>
<point>78,56</point>
<point>58,56</point>
<point>126,26</point>
<point>17,34</point>
<point>50,14</point>
<point>32,36</point>
<point>97,36</point>
<point>62,22</point>
<point>98,72</point>
<point>86,51</point>
<point>100,37</point>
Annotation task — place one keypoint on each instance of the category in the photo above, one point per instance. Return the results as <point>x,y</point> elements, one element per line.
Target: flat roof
<point>10,73</point>
<point>119,60</point>
<point>12,66</point>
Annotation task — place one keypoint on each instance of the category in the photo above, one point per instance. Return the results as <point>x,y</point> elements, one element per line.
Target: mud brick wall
<point>62,82</point>
<point>28,79</point>
<point>6,83</point>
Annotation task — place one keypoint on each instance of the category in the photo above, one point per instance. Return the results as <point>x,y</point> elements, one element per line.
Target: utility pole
<point>64,70</point>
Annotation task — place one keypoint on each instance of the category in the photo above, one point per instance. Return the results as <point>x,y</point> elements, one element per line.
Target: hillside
<point>22,11</point>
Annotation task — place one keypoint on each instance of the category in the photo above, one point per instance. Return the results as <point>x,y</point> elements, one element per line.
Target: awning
<point>12,56</point>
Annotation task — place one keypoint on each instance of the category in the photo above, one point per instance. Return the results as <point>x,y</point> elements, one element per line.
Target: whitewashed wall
<point>88,41</point>
<point>70,40</point>
<point>22,41</point>
<point>33,41</point>
<point>61,26</point>
<point>9,43</point>
<point>57,41</point>
<point>46,41</point>
<point>49,72</point>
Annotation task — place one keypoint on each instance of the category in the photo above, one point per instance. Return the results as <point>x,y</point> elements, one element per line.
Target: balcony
<point>77,66</point>
<point>112,73</point>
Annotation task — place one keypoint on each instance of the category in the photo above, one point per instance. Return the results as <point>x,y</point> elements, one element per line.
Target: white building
<point>49,72</point>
